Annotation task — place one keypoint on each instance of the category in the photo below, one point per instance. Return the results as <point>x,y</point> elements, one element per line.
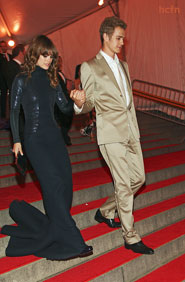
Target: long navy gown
<point>52,235</point>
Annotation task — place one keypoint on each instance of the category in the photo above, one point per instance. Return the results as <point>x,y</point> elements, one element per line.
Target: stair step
<point>159,209</point>
<point>150,194</point>
<point>154,163</point>
<point>101,236</point>
<point>125,264</point>
<point>93,152</point>
<point>171,271</point>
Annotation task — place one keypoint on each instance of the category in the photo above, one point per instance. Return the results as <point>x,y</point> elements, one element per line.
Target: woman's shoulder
<point>19,81</point>
<point>20,78</point>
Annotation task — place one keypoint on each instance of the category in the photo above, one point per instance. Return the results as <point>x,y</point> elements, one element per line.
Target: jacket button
<point>121,95</point>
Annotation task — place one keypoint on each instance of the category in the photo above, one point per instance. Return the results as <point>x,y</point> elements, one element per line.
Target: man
<point>13,67</point>
<point>4,58</point>
<point>107,84</point>
<point>62,119</point>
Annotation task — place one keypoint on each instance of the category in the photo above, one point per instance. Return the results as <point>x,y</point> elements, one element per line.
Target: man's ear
<point>105,37</point>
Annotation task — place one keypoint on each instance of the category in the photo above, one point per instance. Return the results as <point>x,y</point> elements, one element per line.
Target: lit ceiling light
<point>100,2</point>
<point>11,43</point>
<point>3,30</point>
<point>16,27</point>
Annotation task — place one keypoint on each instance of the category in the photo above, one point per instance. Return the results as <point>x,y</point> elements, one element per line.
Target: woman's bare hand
<point>17,148</point>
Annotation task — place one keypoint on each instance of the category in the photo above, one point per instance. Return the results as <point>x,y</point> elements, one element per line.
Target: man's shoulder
<point>91,62</point>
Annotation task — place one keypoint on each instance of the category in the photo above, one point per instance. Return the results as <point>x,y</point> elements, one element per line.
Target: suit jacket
<point>113,116</point>
<point>3,65</point>
<point>11,70</point>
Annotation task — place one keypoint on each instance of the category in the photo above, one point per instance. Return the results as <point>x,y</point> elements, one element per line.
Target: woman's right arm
<point>15,102</point>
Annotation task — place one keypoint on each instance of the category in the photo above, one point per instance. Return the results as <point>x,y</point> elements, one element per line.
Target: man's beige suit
<point>118,138</point>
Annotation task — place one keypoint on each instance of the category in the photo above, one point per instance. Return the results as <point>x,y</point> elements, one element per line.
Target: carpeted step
<point>5,141</point>
<point>159,204</point>
<point>102,237</point>
<point>5,150</point>
<point>154,163</point>
<point>74,157</point>
<point>84,191</point>
<point>5,133</point>
<point>120,263</point>
<point>171,271</point>
<point>153,217</point>
<point>161,146</point>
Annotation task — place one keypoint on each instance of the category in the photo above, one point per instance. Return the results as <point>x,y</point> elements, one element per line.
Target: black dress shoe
<point>85,253</point>
<point>110,222</point>
<point>88,251</point>
<point>139,248</point>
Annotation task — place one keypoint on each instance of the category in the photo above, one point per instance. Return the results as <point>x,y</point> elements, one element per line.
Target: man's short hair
<point>17,49</point>
<point>108,26</point>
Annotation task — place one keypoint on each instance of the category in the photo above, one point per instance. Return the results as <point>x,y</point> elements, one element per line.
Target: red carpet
<point>8,263</point>
<point>30,192</point>
<point>118,257</point>
<point>173,271</point>
<point>160,147</point>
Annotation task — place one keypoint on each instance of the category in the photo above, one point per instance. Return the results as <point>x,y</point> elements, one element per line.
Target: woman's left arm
<point>66,106</point>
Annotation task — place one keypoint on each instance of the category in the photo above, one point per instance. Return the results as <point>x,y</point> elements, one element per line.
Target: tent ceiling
<point>27,18</point>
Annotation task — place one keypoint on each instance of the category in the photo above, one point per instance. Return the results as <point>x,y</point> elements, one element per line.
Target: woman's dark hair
<point>108,26</point>
<point>41,45</point>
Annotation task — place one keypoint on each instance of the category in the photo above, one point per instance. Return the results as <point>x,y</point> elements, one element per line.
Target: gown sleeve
<point>15,102</point>
<point>66,106</point>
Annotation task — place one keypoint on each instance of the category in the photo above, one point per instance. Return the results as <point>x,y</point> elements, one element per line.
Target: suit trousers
<point>125,162</point>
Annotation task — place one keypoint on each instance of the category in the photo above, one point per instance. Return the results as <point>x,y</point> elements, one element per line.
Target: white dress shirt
<point>116,68</point>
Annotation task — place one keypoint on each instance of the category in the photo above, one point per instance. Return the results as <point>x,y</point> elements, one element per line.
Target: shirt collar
<point>17,61</point>
<point>108,58</point>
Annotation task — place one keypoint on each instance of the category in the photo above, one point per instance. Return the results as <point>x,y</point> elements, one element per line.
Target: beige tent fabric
<point>155,40</point>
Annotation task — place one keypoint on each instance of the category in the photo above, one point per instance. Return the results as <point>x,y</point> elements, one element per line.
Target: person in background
<point>13,67</point>
<point>107,84</point>
<point>5,57</point>
<point>53,234</point>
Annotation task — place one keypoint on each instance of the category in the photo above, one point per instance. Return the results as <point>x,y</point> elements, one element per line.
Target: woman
<point>54,235</point>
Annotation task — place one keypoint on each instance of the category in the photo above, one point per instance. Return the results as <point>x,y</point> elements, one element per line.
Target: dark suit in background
<point>3,84</point>
<point>12,69</point>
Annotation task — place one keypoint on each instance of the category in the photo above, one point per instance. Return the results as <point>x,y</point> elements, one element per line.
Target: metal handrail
<point>157,85</point>
<point>159,99</point>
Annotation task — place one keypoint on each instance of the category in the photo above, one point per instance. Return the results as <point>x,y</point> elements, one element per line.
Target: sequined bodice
<point>37,97</point>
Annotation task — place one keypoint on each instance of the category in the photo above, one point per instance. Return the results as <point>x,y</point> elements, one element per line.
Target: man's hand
<point>78,96</point>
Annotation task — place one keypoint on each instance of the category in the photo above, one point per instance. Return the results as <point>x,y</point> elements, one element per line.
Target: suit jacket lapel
<point>129,86</point>
<point>106,69</point>
<point>126,74</point>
